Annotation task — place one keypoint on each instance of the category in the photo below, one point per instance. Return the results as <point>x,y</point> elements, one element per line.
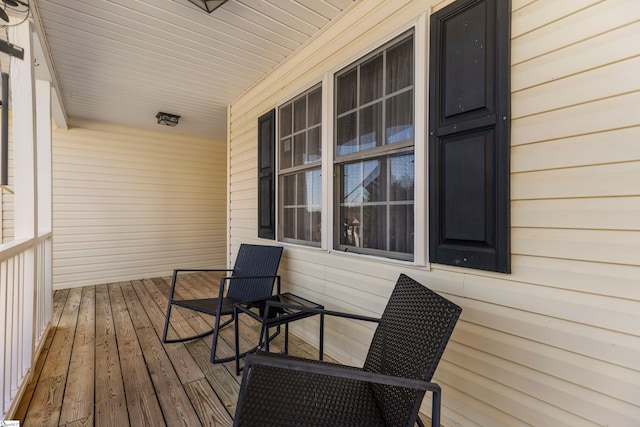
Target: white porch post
<point>44,203</point>
<point>43,155</point>
<point>24,134</point>
<point>26,198</point>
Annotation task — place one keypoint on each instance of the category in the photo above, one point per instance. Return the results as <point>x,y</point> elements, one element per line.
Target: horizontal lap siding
<point>575,206</point>
<point>557,342</point>
<point>6,197</point>
<point>129,204</point>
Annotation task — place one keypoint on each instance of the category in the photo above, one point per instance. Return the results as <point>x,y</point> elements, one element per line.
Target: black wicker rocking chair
<point>253,277</point>
<point>411,335</point>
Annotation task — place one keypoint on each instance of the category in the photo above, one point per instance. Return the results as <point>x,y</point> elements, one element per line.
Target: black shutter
<point>266,175</point>
<point>469,116</point>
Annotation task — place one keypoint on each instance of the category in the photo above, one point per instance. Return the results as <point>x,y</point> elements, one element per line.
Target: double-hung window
<point>300,158</point>
<point>377,181</point>
<point>374,153</point>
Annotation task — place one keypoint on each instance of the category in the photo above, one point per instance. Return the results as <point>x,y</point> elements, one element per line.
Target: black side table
<point>275,311</point>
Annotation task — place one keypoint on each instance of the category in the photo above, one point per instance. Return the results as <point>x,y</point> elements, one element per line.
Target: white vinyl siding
<point>557,342</point>
<point>6,196</point>
<point>130,203</point>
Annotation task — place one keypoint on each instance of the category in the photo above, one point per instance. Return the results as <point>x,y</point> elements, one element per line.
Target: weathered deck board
<point>221,379</point>
<point>206,403</point>
<point>49,391</point>
<point>110,401</point>
<point>78,395</point>
<point>184,365</point>
<point>64,337</point>
<point>142,402</point>
<point>59,300</point>
<point>103,362</point>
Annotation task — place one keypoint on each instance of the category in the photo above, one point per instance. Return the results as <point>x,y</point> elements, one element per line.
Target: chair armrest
<point>174,277</point>
<point>230,278</point>
<point>195,270</point>
<point>248,277</point>
<point>324,311</point>
<point>314,367</point>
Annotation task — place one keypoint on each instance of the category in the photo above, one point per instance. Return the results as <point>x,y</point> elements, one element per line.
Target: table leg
<point>237,340</point>
<point>321,346</point>
<point>265,336</point>
<point>286,338</point>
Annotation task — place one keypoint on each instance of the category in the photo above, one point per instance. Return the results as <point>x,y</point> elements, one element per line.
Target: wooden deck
<point>103,363</point>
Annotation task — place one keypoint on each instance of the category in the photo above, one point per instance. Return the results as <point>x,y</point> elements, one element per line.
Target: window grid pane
<point>400,66</point>
<point>371,126</point>
<point>371,79</point>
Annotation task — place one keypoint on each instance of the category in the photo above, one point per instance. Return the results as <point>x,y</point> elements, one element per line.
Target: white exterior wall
<point>130,203</point>
<point>557,342</point>
<point>6,195</point>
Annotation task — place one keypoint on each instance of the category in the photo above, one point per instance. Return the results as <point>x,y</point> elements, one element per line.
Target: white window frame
<point>297,169</point>
<point>421,55</point>
<point>420,44</point>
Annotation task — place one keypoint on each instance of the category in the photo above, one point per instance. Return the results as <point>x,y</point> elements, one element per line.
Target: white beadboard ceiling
<point>122,61</point>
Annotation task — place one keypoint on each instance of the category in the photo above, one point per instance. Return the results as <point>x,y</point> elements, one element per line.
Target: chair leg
<point>263,341</point>
<point>166,322</point>
<point>435,409</point>
<point>214,343</point>
<point>236,340</point>
<point>169,304</point>
<point>168,317</point>
<point>265,338</point>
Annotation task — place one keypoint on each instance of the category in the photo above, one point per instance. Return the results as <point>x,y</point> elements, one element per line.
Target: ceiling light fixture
<point>12,4</point>
<point>208,5</point>
<point>167,119</point>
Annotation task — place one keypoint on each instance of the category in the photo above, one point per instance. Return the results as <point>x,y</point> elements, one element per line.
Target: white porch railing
<point>26,296</point>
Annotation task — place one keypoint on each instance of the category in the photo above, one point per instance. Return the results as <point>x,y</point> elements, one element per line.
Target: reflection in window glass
<point>299,148</point>
<point>399,118</point>
<point>285,153</point>
<point>314,147</point>
<point>376,204</point>
<point>301,207</point>
<point>346,137</point>
<point>402,177</point>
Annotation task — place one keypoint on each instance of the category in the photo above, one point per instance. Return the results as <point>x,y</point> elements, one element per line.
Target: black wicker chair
<point>411,335</point>
<point>253,277</point>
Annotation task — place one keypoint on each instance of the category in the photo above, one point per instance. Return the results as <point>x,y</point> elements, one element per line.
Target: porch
<point>105,199</point>
<point>103,363</point>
